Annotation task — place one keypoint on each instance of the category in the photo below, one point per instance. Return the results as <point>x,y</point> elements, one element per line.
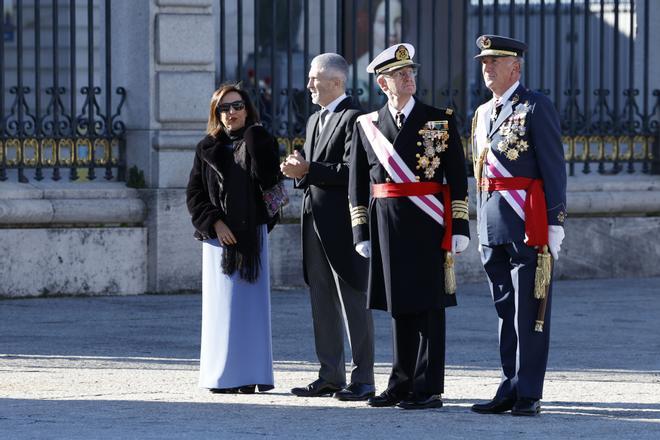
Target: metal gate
<point>59,114</point>
<point>583,55</point>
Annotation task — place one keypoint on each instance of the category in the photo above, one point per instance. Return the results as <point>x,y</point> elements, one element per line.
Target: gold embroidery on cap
<point>402,53</point>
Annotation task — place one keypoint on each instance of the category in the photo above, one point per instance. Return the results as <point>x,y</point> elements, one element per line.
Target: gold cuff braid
<point>459,209</point>
<point>358,215</point>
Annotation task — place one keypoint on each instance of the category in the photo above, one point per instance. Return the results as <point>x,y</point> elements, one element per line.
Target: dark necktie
<point>322,118</point>
<point>400,118</point>
<point>496,110</point>
<point>495,113</point>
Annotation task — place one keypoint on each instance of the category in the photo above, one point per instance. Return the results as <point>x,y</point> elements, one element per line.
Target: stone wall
<point>96,238</point>
<point>71,239</point>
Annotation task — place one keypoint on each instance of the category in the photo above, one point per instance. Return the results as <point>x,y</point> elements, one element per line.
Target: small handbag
<point>275,198</point>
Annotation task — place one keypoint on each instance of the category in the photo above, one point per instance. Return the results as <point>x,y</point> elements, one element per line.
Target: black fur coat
<point>228,174</point>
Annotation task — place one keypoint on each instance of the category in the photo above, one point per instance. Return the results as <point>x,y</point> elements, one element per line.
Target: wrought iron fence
<point>583,55</point>
<point>46,121</point>
<point>60,114</point>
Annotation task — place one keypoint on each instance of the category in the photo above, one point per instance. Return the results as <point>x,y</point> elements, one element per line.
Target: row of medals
<point>434,141</point>
<point>513,130</point>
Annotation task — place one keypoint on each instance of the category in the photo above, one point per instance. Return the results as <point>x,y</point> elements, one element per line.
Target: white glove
<point>555,237</point>
<point>459,243</point>
<point>363,248</point>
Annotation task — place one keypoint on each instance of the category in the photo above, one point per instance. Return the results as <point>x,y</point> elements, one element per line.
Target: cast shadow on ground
<point>229,417</point>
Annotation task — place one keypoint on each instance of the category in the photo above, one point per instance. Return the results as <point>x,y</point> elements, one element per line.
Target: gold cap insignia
<point>484,42</point>
<point>402,53</point>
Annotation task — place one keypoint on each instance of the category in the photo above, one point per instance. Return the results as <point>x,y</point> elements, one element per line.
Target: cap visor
<point>496,53</point>
<point>399,66</point>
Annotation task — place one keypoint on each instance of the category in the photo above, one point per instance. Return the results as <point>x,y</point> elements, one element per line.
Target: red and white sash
<point>397,169</point>
<point>493,167</point>
<point>515,198</point>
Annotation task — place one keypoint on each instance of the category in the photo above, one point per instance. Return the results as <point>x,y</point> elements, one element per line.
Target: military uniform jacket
<point>326,190</point>
<point>526,140</point>
<point>406,272</point>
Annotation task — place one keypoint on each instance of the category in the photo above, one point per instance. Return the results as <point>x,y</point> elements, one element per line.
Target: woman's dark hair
<point>214,125</point>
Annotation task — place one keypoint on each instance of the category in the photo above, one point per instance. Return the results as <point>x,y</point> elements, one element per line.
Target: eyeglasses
<point>236,105</point>
<point>402,74</point>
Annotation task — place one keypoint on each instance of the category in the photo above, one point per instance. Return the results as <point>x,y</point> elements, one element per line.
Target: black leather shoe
<point>246,389</point>
<point>223,390</point>
<point>317,388</point>
<point>432,401</point>
<point>496,406</point>
<point>386,398</point>
<point>526,407</point>
<point>356,391</point>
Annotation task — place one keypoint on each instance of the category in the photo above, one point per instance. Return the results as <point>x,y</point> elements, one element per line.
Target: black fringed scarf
<point>241,207</point>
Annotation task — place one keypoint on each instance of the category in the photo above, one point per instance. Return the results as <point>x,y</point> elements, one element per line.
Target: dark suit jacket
<point>326,191</point>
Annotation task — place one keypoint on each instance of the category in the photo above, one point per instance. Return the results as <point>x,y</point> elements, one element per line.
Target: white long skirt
<point>236,347</point>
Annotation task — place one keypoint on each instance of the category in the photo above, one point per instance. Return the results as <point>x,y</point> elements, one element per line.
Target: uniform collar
<point>505,97</point>
<point>405,110</point>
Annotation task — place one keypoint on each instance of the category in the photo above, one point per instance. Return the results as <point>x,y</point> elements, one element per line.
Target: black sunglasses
<point>236,105</point>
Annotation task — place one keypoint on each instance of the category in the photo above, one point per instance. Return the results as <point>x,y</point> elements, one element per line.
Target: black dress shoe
<point>223,390</point>
<point>317,388</point>
<point>356,391</point>
<point>526,407</point>
<point>246,389</point>
<point>496,406</point>
<point>432,401</point>
<point>386,398</point>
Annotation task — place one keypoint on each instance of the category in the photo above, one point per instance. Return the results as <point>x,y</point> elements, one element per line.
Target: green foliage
<point>135,178</point>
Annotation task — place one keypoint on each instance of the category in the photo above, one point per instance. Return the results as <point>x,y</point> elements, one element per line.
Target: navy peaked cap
<point>498,46</point>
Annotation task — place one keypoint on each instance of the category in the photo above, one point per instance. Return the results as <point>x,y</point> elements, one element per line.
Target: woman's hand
<point>224,233</point>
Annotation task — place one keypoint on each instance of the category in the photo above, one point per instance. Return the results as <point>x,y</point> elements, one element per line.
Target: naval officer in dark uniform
<point>409,156</point>
<point>521,207</point>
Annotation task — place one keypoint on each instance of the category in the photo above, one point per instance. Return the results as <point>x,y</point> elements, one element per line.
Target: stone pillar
<point>163,55</point>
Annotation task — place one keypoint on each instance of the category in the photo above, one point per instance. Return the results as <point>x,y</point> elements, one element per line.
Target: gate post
<point>164,55</point>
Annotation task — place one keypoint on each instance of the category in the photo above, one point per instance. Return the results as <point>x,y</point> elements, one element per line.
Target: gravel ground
<point>126,367</point>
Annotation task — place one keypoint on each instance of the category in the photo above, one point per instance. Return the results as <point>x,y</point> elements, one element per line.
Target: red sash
<point>536,216</point>
<point>408,189</point>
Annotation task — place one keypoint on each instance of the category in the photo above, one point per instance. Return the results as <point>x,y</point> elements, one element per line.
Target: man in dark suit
<point>335,273</point>
<point>521,206</point>
<point>402,154</point>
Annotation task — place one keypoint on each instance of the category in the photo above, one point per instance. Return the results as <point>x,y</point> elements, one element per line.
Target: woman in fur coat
<point>233,163</point>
